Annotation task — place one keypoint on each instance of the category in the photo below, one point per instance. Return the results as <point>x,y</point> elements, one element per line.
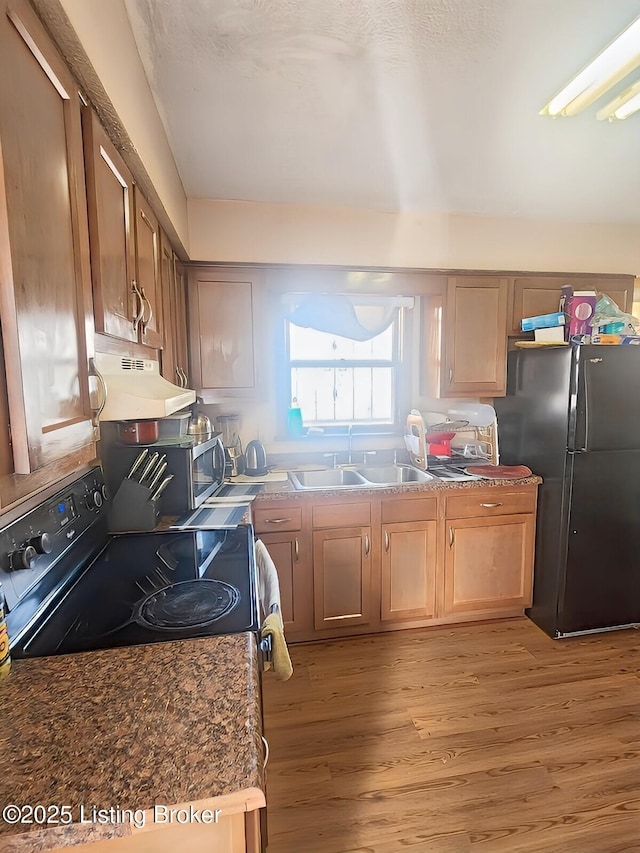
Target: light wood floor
<point>487,738</point>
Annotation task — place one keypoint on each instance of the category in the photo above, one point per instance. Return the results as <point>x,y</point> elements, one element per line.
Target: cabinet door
<point>45,286</point>
<point>489,563</point>
<point>342,577</point>
<point>475,342</point>
<point>231,833</point>
<point>289,551</point>
<point>148,271</point>
<point>169,311</point>
<point>110,206</point>
<point>408,571</point>
<point>533,295</point>
<point>221,314</point>
<point>182,349</point>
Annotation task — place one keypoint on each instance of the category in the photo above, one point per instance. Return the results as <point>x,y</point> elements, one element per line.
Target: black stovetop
<point>152,587</point>
<point>72,587</point>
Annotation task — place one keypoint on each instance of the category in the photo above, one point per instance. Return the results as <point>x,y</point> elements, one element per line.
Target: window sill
<point>332,436</point>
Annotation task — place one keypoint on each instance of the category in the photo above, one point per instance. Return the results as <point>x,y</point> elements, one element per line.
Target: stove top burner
<point>188,604</point>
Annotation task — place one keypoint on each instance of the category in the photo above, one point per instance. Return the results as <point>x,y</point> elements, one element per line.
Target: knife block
<point>132,509</point>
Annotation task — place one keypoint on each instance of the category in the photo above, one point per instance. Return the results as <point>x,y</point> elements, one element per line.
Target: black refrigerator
<point>572,414</point>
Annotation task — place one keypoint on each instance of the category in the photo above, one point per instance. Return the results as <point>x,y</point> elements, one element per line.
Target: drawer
<point>477,504</point>
<point>409,509</point>
<point>341,515</point>
<point>277,519</point>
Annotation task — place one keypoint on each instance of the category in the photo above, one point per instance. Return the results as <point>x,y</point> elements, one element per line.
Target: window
<point>339,381</point>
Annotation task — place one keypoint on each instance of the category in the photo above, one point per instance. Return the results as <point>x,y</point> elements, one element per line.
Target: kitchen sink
<point>391,474</point>
<point>335,478</point>
<point>344,478</point>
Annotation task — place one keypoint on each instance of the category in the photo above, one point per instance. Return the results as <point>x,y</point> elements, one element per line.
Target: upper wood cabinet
<point>533,295</point>
<point>180,322</point>
<point>45,285</point>
<point>147,234</point>
<point>117,306</point>
<point>474,337</point>
<point>174,351</point>
<point>222,331</point>
<point>125,244</point>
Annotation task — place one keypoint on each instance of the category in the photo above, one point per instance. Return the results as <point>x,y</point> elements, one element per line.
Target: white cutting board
<point>271,477</point>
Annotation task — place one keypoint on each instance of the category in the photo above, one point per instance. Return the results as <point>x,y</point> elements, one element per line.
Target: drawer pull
<point>296,549</point>
<point>490,506</point>
<point>386,541</point>
<point>266,750</point>
<point>277,520</point>
<point>367,545</point>
<point>451,537</point>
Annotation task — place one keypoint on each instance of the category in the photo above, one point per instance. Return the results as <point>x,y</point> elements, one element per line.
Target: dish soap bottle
<point>294,419</point>
<point>5,657</point>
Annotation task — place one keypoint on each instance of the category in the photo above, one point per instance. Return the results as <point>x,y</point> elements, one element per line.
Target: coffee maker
<point>229,426</point>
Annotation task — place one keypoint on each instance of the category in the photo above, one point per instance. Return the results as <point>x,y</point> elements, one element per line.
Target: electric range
<point>71,586</point>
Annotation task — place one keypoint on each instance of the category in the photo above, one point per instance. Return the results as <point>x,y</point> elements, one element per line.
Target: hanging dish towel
<point>270,605</point>
<point>280,661</point>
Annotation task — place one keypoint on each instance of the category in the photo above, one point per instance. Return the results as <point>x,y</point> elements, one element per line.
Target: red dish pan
<point>138,432</point>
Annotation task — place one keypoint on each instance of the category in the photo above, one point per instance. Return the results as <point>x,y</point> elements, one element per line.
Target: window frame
<point>397,365</point>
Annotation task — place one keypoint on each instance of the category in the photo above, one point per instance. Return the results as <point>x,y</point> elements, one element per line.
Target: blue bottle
<point>294,419</point>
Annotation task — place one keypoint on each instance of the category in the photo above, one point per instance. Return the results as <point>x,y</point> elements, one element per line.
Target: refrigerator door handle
<point>578,404</point>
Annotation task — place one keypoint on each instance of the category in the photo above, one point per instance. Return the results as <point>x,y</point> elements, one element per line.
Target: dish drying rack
<point>416,433</point>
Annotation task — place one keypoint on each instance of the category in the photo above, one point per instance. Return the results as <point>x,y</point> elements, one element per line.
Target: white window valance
<point>359,318</point>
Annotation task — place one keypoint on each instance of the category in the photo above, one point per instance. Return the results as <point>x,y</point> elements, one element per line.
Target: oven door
<point>207,471</point>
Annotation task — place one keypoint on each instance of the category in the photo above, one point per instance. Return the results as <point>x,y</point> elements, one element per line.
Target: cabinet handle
<point>93,371</point>
<point>144,322</point>
<point>451,537</point>
<point>451,376</point>
<point>296,549</point>
<point>490,506</point>
<point>386,541</point>
<point>367,545</point>
<point>179,375</point>
<point>266,751</point>
<point>185,381</point>
<point>276,520</point>
<point>140,306</point>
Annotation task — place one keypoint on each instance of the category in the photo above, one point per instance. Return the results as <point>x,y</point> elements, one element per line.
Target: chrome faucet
<point>350,437</point>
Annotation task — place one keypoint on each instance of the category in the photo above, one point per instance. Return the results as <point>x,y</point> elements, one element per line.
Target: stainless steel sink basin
<point>393,474</point>
<point>336,478</point>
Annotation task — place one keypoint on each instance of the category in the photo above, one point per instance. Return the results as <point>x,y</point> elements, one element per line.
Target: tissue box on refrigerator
<point>542,321</point>
<point>579,309</point>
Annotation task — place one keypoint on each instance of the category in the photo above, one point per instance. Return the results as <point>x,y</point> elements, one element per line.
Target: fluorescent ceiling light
<point>610,66</point>
<point>623,106</point>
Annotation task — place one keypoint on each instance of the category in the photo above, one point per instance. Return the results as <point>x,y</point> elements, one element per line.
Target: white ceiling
<point>391,104</point>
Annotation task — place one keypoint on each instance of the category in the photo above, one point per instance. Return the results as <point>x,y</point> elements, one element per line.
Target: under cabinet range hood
<point>134,389</point>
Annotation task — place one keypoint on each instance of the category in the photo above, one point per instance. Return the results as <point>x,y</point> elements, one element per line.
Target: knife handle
<point>163,485</point>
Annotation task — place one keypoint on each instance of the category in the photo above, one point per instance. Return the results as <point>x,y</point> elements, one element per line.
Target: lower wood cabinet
<point>234,833</point>
<point>408,571</point>
<point>290,553</point>
<point>341,577</point>
<point>488,564</point>
<point>489,552</point>
<point>417,558</point>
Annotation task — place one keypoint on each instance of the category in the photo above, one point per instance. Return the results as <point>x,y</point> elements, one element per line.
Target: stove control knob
<point>23,558</point>
<point>104,491</point>
<point>94,499</point>
<point>42,543</point>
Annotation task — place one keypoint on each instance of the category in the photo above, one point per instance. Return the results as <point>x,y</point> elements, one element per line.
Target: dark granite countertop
<point>129,728</point>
